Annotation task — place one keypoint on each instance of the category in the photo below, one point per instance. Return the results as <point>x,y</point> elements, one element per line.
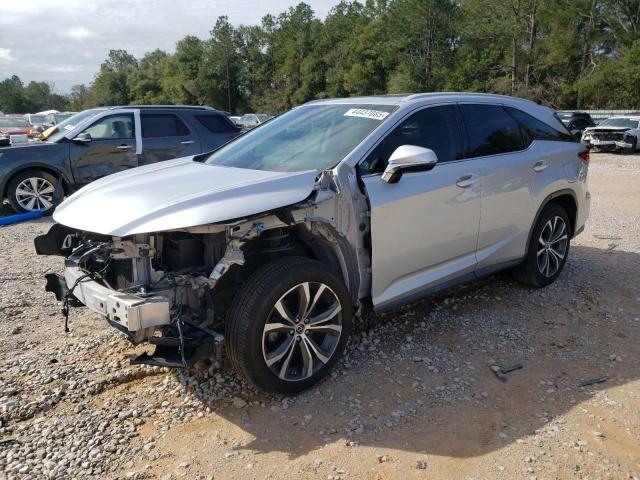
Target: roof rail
<point>197,107</point>
<point>416,96</point>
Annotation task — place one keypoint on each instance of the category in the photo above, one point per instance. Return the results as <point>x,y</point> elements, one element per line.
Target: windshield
<point>312,137</point>
<point>60,117</point>
<point>36,119</point>
<point>620,122</point>
<point>13,122</point>
<point>61,129</point>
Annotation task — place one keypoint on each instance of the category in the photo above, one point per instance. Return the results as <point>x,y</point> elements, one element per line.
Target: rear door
<point>215,129</point>
<point>424,228</point>
<point>112,148</point>
<point>166,136</point>
<point>510,169</point>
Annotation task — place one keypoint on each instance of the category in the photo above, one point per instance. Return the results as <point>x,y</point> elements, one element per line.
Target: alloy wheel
<point>302,331</point>
<point>552,246</point>
<point>35,193</point>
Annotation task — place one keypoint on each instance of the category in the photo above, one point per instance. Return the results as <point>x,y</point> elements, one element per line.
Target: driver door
<point>112,148</point>
<point>424,228</point>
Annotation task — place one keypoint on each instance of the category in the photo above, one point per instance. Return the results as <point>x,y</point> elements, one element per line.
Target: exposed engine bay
<point>172,288</point>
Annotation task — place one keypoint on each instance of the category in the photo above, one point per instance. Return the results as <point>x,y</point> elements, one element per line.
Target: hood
<point>179,193</point>
<point>20,149</point>
<point>607,128</point>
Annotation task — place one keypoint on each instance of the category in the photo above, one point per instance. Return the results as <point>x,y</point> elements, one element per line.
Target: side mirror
<point>409,158</point>
<point>83,138</point>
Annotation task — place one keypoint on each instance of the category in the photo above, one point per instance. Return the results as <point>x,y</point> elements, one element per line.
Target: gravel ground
<point>415,397</point>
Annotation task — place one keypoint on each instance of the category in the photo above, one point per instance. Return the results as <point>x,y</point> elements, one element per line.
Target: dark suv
<point>102,141</point>
<point>576,122</point>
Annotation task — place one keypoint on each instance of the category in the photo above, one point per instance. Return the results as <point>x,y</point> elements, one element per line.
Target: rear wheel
<point>288,325</point>
<point>548,248</point>
<point>33,190</point>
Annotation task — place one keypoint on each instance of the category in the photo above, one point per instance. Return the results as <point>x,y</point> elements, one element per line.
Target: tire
<point>257,332</point>
<point>546,242</point>
<point>21,187</point>
<point>631,150</point>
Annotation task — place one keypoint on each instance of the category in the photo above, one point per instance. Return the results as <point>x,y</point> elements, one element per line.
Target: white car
<point>614,134</point>
<point>252,120</point>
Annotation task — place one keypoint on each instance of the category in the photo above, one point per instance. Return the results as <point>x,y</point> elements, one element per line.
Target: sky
<point>63,42</point>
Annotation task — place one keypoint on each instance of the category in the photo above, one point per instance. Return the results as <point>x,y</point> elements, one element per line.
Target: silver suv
<point>266,249</point>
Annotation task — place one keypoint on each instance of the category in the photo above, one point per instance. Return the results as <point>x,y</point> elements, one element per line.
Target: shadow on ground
<point>563,335</point>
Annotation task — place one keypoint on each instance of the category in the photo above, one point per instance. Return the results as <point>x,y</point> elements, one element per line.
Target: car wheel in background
<point>288,325</point>
<point>548,248</point>
<point>33,190</point>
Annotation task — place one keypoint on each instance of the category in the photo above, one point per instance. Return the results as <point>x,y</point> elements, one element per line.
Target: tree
<point>180,80</point>
<point>12,99</point>
<point>145,80</point>
<point>79,98</point>
<point>110,87</point>
<point>219,77</point>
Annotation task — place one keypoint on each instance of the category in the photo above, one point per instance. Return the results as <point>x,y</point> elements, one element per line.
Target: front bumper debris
<point>625,145</point>
<point>131,312</point>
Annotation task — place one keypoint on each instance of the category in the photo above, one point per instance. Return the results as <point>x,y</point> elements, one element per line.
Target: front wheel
<point>548,248</point>
<point>288,325</point>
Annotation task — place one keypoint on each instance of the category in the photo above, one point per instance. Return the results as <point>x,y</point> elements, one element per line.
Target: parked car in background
<point>272,243</point>
<point>236,120</point>
<point>619,133</point>
<point>52,119</point>
<point>37,124</point>
<point>576,122</point>
<point>14,125</point>
<point>102,141</point>
<point>252,120</point>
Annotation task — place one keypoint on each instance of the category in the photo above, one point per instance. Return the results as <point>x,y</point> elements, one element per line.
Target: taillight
<point>584,156</point>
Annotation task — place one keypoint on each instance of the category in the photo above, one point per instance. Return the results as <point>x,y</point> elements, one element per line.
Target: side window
<point>216,123</point>
<point>162,125</point>
<point>491,130</point>
<point>536,129</point>
<point>436,128</point>
<point>115,127</point>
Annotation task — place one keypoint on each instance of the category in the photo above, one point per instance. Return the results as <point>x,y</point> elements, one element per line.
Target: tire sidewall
<point>532,256</point>
<point>261,374</point>
<point>15,181</point>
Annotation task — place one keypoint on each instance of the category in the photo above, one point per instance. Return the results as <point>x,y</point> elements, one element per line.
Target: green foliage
<point>111,85</point>
<point>36,96</point>
<point>614,82</point>
<point>562,53</point>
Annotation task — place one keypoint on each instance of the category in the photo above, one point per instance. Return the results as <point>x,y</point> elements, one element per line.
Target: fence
<point>602,114</point>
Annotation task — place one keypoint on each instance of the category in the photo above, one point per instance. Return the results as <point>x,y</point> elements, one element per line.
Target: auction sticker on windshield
<point>366,113</point>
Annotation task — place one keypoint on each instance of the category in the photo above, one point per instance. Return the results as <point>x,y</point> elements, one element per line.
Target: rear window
<point>491,130</point>
<point>217,123</point>
<point>162,125</point>
<point>535,129</point>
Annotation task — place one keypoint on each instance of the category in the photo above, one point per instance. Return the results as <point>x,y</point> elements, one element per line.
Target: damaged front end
<point>172,288</point>
<point>154,287</point>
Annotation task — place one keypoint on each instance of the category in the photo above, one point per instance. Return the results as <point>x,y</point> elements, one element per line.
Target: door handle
<point>187,142</point>
<point>123,147</point>
<point>540,166</point>
<point>466,181</point>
